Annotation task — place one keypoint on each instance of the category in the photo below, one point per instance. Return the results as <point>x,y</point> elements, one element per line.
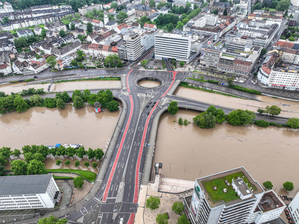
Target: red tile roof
<point>266,70</point>
<point>111,10</point>
<point>114,49</point>
<point>93,46</point>
<point>284,44</point>
<point>123,25</point>
<point>105,47</point>
<point>149,25</point>
<point>3,66</point>
<point>96,21</point>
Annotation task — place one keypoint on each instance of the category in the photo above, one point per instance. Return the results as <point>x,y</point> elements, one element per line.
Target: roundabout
<point>149,82</point>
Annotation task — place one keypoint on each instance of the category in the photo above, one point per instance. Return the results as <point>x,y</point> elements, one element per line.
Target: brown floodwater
<point>40,125</point>
<point>289,108</point>
<point>189,152</point>
<point>64,86</point>
<point>149,83</point>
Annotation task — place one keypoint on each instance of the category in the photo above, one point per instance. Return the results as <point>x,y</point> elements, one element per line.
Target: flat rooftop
<point>269,202</point>
<point>218,197</point>
<point>27,184</point>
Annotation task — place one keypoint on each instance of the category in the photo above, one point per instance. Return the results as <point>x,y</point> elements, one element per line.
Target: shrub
<point>243,89</point>
<point>213,81</point>
<point>289,186</point>
<point>262,123</point>
<point>268,185</point>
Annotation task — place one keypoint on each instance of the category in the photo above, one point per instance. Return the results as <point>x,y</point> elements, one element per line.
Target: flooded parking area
<point>40,125</point>
<point>189,152</point>
<point>63,86</point>
<point>289,108</point>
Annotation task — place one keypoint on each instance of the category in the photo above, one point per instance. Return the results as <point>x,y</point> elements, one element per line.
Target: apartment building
<point>294,209</point>
<point>132,48</point>
<point>85,9</point>
<point>177,46</point>
<point>236,57</point>
<point>28,192</point>
<point>231,196</point>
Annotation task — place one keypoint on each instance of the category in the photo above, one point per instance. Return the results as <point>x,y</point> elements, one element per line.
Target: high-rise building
<point>231,197</point>
<point>28,192</point>
<point>132,48</point>
<point>294,208</point>
<point>177,46</point>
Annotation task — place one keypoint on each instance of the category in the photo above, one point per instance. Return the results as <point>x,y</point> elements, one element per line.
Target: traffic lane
<point>106,218</point>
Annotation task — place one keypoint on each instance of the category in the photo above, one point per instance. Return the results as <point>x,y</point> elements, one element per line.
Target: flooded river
<point>40,125</point>
<point>189,152</point>
<point>149,83</point>
<point>64,86</point>
<point>289,108</point>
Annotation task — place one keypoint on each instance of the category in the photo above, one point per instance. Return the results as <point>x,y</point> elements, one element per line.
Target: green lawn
<point>219,195</point>
<point>91,176</point>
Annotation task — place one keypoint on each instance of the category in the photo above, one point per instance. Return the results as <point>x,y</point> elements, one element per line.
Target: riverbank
<point>189,152</point>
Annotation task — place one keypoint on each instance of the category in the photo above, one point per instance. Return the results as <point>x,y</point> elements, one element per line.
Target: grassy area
<point>91,176</point>
<point>92,79</point>
<point>185,84</point>
<point>219,195</point>
<point>199,80</point>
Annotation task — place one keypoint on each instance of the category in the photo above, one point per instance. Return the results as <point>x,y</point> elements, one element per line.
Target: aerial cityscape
<point>149,111</point>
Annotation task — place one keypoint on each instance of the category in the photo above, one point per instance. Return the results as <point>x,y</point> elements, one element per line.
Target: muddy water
<point>50,126</point>
<point>64,86</point>
<point>289,108</point>
<point>189,152</point>
<point>149,84</point>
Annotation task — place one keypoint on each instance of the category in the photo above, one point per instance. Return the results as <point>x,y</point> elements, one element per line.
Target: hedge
<point>62,178</point>
<point>88,175</point>
<point>243,89</point>
<point>213,81</point>
<point>262,123</point>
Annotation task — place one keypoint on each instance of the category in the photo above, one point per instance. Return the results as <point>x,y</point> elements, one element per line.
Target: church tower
<point>106,19</point>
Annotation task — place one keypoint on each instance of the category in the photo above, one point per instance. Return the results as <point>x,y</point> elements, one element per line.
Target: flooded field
<point>149,83</point>
<point>289,108</point>
<point>40,125</point>
<point>189,152</point>
<point>64,86</point>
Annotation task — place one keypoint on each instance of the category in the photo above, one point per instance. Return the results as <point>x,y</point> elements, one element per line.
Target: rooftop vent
<point>224,190</point>
<point>215,188</point>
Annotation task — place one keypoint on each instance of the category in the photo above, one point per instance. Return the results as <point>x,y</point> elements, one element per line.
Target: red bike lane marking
<point>173,78</point>
<point>120,146</point>
<point>131,219</point>
<point>140,154</point>
<point>127,80</point>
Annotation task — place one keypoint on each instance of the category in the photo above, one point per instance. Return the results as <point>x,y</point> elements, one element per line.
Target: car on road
<point>121,221</point>
<point>35,77</point>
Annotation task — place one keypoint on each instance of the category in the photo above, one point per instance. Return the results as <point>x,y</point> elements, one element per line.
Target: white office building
<point>177,46</point>
<point>231,197</point>
<point>294,208</point>
<point>132,48</point>
<point>28,192</point>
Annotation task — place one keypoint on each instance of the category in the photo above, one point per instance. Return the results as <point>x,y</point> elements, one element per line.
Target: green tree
<point>39,157</point>
<point>60,104</point>
<point>121,16</point>
<point>112,106</point>
<point>76,93</point>
<point>240,117</point>
<point>178,207</point>
<point>161,5</point>
<point>78,102</point>
<point>289,186</point>
<point>70,151</point>
<point>182,63</point>
<point>92,98</point>
<point>260,111</point>
<point>52,220</point>
<point>65,97</point>
<point>77,163</point>
<point>152,3</point>
<point>283,5</point>
<point>89,27</point>
<point>142,2</point>
<point>230,80</point>
<point>153,203</point>
<point>19,167</point>
<point>62,33</point>
<point>183,220</point>
<point>264,50</point>
<point>162,218</point>
<point>98,153</point>
<point>293,122</point>
<point>36,100</point>
<point>86,164</point>
<point>67,162</point>
<point>220,116</point>
<point>80,152</point>
<point>173,107</point>
<point>268,185</point>
<point>86,94</point>
<point>291,38</point>
<point>273,110</point>
<point>78,182</point>
<point>36,167</point>
<point>225,12</point>
<point>94,165</point>
<point>90,153</point>
<point>114,5</point>
<point>51,60</point>
<point>170,27</point>
<point>74,63</point>
<point>215,11</point>
<point>58,162</point>
<point>44,32</point>
<point>205,120</point>
<point>16,153</point>
<point>20,104</point>
<point>73,26</point>
<point>5,20</point>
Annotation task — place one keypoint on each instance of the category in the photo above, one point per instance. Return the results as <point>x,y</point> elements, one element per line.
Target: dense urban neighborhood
<point>112,75</point>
